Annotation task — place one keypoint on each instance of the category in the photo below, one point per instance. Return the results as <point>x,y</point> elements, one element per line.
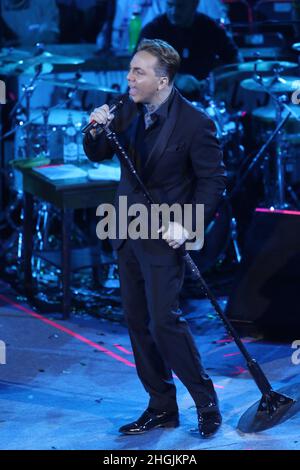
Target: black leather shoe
<point>209,419</point>
<point>151,419</point>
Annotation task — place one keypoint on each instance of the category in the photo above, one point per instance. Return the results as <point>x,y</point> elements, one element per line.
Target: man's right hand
<point>102,116</point>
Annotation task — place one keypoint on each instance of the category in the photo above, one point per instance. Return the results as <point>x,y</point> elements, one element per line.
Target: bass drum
<point>57,122</point>
<point>216,239</point>
<point>225,126</point>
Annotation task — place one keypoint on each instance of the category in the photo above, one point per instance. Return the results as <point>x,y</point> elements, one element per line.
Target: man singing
<point>174,147</point>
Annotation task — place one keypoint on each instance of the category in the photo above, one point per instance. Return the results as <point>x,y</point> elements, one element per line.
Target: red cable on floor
<point>67,330</point>
<point>75,335</point>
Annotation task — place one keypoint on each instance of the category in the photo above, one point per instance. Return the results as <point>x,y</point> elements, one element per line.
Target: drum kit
<point>39,126</point>
<point>275,132</point>
<point>281,163</point>
<point>38,133</point>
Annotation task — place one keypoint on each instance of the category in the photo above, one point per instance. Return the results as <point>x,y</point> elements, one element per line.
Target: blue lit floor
<point>73,389</point>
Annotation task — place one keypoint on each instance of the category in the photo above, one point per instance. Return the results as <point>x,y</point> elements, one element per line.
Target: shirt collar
<point>162,110</point>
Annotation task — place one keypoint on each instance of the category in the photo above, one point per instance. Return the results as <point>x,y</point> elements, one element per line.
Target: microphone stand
<point>273,405</point>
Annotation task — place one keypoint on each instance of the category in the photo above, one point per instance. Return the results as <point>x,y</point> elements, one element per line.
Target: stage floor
<point>72,384</point>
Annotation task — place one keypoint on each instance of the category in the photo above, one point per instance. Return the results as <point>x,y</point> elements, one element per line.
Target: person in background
<point>296,18</point>
<point>202,43</point>
<point>82,21</point>
<point>215,9</point>
<point>152,8</point>
<point>26,22</point>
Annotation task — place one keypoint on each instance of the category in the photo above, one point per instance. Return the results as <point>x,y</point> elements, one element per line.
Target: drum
<point>225,126</point>
<point>229,132</point>
<point>264,120</point>
<point>54,134</point>
<point>263,124</point>
<point>42,138</point>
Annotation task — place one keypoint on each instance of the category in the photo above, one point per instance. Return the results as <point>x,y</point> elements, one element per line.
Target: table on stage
<point>67,195</point>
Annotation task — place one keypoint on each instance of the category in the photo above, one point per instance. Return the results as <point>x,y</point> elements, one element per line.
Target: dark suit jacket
<point>184,166</point>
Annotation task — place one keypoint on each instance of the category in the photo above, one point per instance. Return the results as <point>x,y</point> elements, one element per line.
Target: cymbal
<point>269,113</point>
<point>78,83</point>
<point>10,54</point>
<point>37,57</point>
<point>16,61</point>
<point>18,68</point>
<point>296,46</point>
<point>265,118</point>
<point>231,70</point>
<point>279,85</point>
<point>57,59</point>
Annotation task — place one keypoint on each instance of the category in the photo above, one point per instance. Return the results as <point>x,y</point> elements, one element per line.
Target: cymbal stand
<point>45,134</point>
<point>279,200</point>
<point>41,228</point>
<point>27,90</point>
<point>2,164</point>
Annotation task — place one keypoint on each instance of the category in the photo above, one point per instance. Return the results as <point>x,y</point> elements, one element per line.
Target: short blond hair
<point>167,57</point>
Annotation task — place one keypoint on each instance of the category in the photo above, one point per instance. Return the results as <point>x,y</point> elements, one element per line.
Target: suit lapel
<point>157,151</point>
<point>132,151</point>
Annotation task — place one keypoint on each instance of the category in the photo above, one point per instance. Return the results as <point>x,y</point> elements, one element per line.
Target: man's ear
<point>163,82</point>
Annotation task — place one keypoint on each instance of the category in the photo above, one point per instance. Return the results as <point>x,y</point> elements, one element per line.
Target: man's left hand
<point>175,235</point>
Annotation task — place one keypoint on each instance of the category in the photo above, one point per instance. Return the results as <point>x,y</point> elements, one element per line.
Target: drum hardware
<point>45,135</point>
<point>41,231</point>
<point>228,78</point>
<point>231,71</point>
<point>294,197</point>
<point>27,91</point>
<point>271,86</point>
<point>78,84</point>
<point>263,120</point>
<point>218,235</point>
<point>56,117</point>
<point>227,125</point>
<point>38,116</point>
<point>234,238</point>
<point>275,84</point>
<point>223,228</point>
<point>49,126</point>
<point>43,118</point>
<point>228,224</point>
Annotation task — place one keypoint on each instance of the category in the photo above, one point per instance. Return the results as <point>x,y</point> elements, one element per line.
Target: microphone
<point>95,125</point>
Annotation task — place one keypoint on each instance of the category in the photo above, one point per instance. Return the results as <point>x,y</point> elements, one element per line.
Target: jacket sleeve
<point>97,149</point>
<point>209,170</point>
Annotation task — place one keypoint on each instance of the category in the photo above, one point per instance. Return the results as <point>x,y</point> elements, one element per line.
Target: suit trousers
<point>160,337</point>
